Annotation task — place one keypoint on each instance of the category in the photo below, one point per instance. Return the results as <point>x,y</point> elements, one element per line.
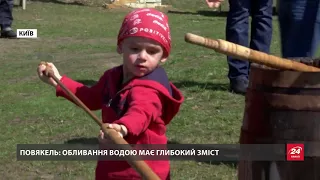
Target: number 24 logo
<point>296,150</point>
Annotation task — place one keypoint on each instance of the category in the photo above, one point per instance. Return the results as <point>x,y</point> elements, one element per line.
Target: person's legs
<point>299,22</point>
<point>237,32</point>
<point>6,18</point>
<point>285,26</point>
<point>261,25</point>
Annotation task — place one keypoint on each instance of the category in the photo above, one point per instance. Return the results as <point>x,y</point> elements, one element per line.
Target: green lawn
<point>81,41</point>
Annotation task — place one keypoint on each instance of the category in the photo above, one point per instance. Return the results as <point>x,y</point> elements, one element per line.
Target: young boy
<point>136,97</point>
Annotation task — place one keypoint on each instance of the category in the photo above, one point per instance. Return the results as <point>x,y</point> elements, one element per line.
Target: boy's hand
<point>121,129</point>
<point>214,3</point>
<point>41,73</point>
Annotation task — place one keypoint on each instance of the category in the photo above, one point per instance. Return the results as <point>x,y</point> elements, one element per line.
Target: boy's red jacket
<point>153,102</point>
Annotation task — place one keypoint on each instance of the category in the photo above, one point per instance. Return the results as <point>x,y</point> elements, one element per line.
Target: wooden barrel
<point>281,107</point>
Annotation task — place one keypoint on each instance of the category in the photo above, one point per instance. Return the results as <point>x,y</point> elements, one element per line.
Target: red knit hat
<point>149,23</point>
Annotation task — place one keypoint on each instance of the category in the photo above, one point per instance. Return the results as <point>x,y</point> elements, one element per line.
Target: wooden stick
<point>139,165</point>
<point>247,54</point>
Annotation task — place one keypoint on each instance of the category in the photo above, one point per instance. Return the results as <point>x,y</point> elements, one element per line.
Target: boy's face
<point>140,56</point>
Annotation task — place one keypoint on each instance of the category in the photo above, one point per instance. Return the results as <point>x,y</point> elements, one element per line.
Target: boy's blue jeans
<point>299,22</point>
<point>237,31</point>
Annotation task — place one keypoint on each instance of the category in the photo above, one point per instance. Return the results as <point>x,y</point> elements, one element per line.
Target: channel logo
<point>295,152</point>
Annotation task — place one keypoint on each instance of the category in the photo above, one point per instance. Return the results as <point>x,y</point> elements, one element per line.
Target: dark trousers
<point>6,13</point>
<point>237,31</point>
<point>299,22</point>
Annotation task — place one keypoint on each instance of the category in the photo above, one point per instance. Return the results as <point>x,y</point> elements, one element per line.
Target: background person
<point>237,31</point>
<point>6,19</point>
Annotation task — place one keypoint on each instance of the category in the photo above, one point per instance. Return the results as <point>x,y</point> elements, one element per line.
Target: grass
<point>80,40</point>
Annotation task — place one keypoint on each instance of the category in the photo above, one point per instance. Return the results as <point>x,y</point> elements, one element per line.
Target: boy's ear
<point>163,60</point>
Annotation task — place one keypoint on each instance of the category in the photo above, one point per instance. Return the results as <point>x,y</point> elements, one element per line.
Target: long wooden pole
<point>247,54</point>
